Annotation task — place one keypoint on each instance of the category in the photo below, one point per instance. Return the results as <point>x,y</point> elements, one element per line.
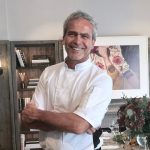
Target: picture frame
<point>130,55</point>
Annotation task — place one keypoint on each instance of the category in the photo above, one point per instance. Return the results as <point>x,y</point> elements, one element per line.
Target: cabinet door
<point>7,127</point>
<point>29,60</point>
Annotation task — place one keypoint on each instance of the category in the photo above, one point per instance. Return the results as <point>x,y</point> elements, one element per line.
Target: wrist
<point>40,115</point>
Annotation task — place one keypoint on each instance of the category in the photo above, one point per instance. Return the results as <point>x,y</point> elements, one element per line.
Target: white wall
<point>43,19</point>
<point>3,20</point>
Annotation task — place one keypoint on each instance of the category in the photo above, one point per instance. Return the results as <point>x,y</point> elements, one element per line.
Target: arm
<point>89,113</point>
<point>36,117</point>
<point>47,121</point>
<point>36,125</point>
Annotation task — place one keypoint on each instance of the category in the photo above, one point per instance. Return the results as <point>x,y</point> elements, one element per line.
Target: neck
<point>72,63</point>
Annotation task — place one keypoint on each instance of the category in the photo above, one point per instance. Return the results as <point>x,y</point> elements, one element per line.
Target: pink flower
<point>100,65</point>
<point>117,60</point>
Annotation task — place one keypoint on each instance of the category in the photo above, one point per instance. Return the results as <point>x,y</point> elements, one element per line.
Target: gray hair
<point>80,15</point>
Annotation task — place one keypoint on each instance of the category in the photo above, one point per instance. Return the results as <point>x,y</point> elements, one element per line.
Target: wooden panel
<point>149,61</point>
<point>5,105</point>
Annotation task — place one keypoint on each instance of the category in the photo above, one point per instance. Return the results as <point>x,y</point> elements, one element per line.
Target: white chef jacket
<point>85,91</point>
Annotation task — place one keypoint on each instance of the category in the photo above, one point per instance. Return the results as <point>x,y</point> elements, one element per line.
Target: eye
<point>85,36</point>
<point>71,34</point>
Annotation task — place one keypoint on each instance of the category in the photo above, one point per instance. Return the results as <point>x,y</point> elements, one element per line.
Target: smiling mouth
<point>77,49</point>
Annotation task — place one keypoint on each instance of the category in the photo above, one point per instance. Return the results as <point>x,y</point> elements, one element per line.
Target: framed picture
<point>125,58</point>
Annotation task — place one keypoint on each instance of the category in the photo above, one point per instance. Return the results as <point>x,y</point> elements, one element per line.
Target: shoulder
<point>98,71</point>
<point>101,75</point>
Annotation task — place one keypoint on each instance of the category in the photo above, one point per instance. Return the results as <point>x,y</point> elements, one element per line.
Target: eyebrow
<point>76,33</point>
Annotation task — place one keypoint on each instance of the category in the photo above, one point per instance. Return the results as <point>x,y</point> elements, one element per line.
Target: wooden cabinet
<point>7,117</point>
<point>29,59</point>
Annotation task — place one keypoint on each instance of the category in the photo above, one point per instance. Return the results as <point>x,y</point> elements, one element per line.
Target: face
<point>78,40</point>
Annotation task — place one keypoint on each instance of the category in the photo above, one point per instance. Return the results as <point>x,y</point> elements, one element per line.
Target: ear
<point>93,43</point>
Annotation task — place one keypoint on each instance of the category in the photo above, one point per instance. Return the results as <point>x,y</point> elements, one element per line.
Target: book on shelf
<point>32,83</point>
<point>31,86</point>
<point>32,137</point>
<point>40,64</point>
<point>22,102</point>
<point>21,57</point>
<point>34,79</point>
<point>34,130</point>
<point>17,61</point>
<point>40,59</point>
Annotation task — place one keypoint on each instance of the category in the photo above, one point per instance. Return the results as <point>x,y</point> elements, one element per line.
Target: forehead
<point>80,25</point>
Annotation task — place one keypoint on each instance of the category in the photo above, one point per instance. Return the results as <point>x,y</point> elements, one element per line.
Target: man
<point>71,97</point>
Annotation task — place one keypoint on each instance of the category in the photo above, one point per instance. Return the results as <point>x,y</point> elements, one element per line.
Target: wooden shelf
<point>29,51</point>
<point>26,89</point>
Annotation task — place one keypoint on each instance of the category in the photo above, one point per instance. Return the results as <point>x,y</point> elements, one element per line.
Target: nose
<point>77,39</point>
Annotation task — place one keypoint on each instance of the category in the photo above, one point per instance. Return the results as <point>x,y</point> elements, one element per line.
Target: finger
<point>31,104</point>
<point>91,130</point>
<point>27,120</point>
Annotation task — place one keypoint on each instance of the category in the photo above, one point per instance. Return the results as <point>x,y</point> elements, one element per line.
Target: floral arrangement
<point>133,122</point>
<point>135,115</point>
